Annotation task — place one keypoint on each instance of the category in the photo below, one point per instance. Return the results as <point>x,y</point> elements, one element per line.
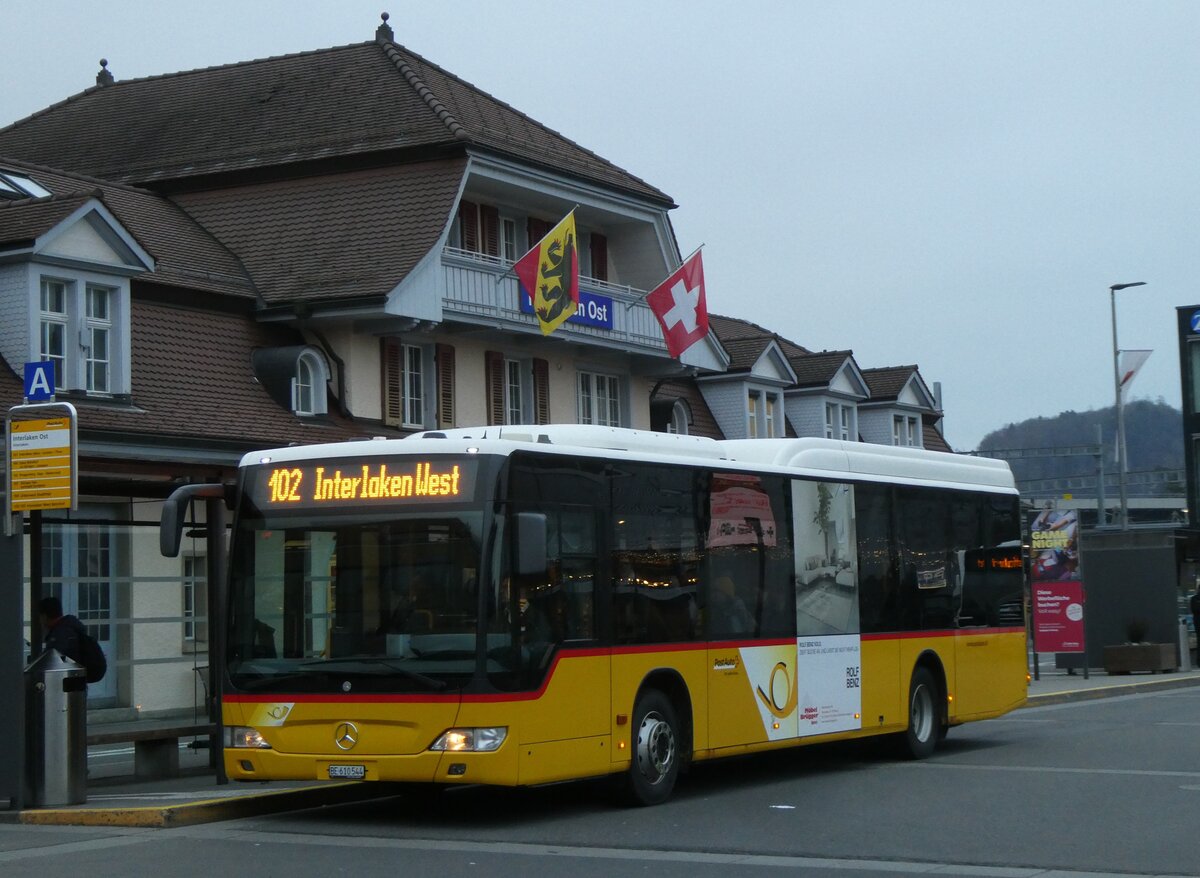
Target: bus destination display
<point>331,483</point>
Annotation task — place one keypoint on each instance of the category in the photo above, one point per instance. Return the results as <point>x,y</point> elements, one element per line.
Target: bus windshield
<point>379,602</point>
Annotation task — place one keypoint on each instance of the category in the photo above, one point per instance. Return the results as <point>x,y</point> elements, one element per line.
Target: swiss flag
<point>679,304</point>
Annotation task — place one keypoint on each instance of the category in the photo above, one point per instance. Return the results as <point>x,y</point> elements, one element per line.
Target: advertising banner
<point>1058,594</point>
<point>1058,616</point>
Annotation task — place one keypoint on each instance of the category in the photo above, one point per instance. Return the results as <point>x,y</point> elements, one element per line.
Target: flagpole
<point>509,270</point>
<point>643,296</point>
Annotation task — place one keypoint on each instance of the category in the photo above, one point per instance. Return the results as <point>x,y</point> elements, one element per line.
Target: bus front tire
<point>925,718</point>
<point>654,765</point>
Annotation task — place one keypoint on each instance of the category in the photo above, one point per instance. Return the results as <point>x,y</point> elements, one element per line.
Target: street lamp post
<point>1122,463</point>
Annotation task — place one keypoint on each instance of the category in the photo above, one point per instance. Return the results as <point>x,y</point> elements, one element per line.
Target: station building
<point>318,247</point>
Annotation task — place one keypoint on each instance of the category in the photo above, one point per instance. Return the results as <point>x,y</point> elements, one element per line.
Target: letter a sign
<point>39,381</point>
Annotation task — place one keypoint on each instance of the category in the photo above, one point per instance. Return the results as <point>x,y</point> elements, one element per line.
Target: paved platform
<point>197,798</point>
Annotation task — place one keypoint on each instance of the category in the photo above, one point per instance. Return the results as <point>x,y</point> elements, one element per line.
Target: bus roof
<point>865,459</point>
<point>813,456</point>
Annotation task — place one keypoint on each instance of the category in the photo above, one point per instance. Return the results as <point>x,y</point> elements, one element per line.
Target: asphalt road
<point>1106,787</point>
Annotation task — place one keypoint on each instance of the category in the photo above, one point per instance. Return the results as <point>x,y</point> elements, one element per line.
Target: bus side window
<point>926,579</point>
<point>656,542</point>
<point>877,563</point>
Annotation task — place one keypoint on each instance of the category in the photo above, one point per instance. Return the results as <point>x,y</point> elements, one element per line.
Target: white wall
<point>360,356</point>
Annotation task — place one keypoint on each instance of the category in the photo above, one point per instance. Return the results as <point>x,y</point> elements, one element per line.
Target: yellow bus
<point>522,605</point>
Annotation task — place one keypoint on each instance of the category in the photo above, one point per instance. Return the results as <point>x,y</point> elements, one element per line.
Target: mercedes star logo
<point>346,736</point>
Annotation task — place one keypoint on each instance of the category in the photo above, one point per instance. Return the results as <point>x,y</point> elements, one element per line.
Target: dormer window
<point>78,330</point>
<point>678,422</point>
<point>769,415</point>
<point>308,385</point>
<point>838,421</point>
<point>762,410</point>
<point>53,327</point>
<point>97,334</point>
<point>906,431</point>
<point>296,377</point>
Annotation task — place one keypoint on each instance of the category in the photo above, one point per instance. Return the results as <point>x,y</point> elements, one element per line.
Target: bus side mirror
<point>170,528</point>
<point>531,543</point>
<point>174,514</point>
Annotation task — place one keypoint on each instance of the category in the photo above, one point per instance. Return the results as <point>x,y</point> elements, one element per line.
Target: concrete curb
<point>1111,691</point>
<point>237,806</point>
<point>209,810</point>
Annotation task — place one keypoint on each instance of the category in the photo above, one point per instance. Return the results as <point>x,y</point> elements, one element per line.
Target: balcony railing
<point>482,289</point>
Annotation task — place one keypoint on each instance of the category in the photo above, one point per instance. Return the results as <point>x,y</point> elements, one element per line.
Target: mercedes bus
<point>522,605</point>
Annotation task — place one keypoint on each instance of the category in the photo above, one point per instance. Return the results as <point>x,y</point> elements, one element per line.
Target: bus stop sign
<point>39,381</point>
<point>41,445</point>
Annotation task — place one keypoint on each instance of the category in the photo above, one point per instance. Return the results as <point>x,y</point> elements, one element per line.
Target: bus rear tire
<point>654,763</point>
<point>925,716</point>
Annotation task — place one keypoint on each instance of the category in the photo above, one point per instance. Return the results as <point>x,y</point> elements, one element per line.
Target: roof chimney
<point>383,33</point>
<point>104,77</point>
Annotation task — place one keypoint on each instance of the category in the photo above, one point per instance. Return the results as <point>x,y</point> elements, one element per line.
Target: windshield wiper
<point>374,665</point>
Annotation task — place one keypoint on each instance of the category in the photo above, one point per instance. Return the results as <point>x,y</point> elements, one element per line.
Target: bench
<point>155,743</point>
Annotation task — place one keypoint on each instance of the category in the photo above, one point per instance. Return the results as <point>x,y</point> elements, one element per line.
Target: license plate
<point>350,772</point>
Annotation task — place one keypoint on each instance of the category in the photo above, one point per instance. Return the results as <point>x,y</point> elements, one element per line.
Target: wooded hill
<point>1153,439</point>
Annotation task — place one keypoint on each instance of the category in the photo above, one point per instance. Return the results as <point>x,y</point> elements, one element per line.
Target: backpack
<point>91,656</point>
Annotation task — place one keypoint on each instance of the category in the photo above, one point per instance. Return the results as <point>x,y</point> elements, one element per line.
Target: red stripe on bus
<point>487,697</point>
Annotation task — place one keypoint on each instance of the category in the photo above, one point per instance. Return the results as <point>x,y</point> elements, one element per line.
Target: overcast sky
<point>946,183</point>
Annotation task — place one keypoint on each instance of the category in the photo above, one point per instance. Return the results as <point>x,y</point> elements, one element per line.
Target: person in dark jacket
<point>61,632</point>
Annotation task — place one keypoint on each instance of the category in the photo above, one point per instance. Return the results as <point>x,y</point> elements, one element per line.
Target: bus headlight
<point>478,740</point>
<point>243,737</point>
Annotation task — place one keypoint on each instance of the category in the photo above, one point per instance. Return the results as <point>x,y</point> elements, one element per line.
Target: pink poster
<point>1058,616</point>
<point>740,512</point>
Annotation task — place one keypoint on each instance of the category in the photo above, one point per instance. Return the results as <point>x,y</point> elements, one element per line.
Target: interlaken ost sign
<point>41,451</point>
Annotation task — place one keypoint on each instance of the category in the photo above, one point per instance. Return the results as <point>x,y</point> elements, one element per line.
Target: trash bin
<point>1185,647</point>
<point>55,731</point>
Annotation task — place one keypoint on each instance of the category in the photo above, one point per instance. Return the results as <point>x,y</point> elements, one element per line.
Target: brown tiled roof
<point>745,341</point>
<point>743,352</point>
<point>932,439</point>
<point>488,122</point>
<point>819,368</point>
<point>23,222</point>
<point>346,235</point>
<point>887,382</point>
<point>185,255</point>
<point>345,101</point>
<point>193,382</point>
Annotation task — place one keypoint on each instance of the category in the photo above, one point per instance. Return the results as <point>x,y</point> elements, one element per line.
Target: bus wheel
<point>924,718</point>
<point>655,763</point>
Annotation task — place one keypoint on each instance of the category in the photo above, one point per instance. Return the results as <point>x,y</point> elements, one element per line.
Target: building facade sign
<point>594,309</point>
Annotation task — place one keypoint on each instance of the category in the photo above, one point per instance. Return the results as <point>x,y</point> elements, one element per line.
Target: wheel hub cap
<point>655,747</point>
